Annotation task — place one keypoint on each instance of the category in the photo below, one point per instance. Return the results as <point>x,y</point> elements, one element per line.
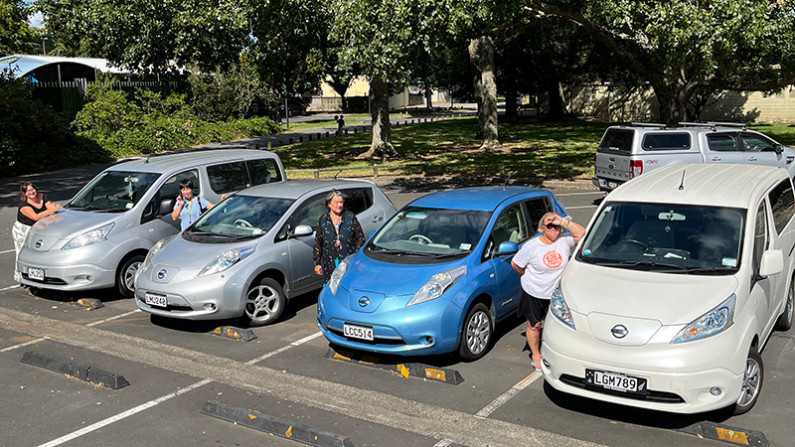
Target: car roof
<point>293,189</point>
<point>187,159</point>
<point>692,128</point>
<point>485,198</point>
<point>718,184</point>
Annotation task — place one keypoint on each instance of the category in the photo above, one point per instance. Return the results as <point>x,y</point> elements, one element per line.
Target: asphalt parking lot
<point>286,376</point>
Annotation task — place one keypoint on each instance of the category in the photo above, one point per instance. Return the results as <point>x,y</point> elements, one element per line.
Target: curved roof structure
<point>56,68</point>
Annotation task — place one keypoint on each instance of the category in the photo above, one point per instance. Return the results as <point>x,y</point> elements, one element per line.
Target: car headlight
<point>152,253</point>
<point>336,276</point>
<point>559,308</point>
<point>225,260</point>
<point>89,237</point>
<point>713,322</point>
<point>436,286</point>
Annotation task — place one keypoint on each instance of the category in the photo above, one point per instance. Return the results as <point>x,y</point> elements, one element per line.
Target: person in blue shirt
<point>189,208</point>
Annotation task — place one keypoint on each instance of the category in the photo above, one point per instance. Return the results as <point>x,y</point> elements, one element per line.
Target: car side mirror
<point>305,230</point>
<point>779,149</point>
<point>508,248</point>
<point>166,207</point>
<point>772,263</point>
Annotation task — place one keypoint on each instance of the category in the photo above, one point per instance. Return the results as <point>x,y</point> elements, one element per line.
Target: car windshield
<point>429,233</point>
<point>672,238</point>
<point>238,217</point>
<point>113,191</point>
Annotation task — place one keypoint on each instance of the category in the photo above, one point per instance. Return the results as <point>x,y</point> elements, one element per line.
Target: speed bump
<point>235,333</point>
<point>273,425</point>
<point>732,435</point>
<point>451,376</point>
<point>77,370</point>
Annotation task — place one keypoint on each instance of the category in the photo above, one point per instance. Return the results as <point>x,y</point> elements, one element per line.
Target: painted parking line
<point>589,193</point>
<point>506,396</point>
<point>9,287</point>
<point>159,400</point>
<point>583,207</point>
<point>6,251</point>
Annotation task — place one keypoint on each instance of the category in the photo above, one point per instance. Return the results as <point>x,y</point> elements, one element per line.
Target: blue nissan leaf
<point>437,277</point>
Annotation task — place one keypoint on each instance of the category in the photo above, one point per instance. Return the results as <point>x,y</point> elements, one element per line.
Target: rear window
<point>234,176</point>
<point>617,140</point>
<point>666,141</point>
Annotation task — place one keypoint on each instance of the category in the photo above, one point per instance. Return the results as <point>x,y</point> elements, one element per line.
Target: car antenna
<point>147,159</point>
<point>506,181</point>
<point>682,184</point>
<point>338,173</point>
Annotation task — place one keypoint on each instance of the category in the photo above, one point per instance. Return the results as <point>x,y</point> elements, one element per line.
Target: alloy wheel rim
<point>790,300</point>
<point>750,386</point>
<point>129,275</point>
<point>478,333</point>
<point>261,303</point>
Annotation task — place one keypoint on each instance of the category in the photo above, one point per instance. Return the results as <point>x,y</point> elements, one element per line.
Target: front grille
<point>47,280</point>
<point>651,395</point>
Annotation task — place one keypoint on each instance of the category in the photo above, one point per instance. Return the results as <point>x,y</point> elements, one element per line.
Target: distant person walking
<point>338,236</point>
<point>33,206</point>
<point>340,125</point>
<point>541,262</point>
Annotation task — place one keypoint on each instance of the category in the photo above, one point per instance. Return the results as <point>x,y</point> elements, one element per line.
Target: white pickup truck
<point>628,151</point>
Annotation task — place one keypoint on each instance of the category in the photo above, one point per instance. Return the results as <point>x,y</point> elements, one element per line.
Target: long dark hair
<point>23,188</point>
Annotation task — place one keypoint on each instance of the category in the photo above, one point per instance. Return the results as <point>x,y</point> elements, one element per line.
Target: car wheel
<point>476,333</point>
<point>264,302</point>
<point>125,275</point>
<point>752,382</point>
<point>785,319</point>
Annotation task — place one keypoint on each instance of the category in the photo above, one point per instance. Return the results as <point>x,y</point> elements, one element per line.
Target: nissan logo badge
<point>364,301</point>
<point>619,331</point>
<point>39,243</point>
<point>162,273</point>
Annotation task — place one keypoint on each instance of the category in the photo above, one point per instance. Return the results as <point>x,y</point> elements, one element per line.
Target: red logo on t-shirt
<point>552,259</point>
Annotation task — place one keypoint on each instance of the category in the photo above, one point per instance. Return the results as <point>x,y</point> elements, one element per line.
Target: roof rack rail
<point>194,149</point>
<point>723,124</point>
<point>647,124</point>
<point>695,124</point>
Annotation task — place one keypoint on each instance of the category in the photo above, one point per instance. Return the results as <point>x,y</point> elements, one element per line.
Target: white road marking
<point>590,193</point>
<point>6,251</point>
<point>443,443</point>
<point>9,287</point>
<point>120,416</point>
<point>506,396</point>
<point>152,403</point>
<point>580,207</point>
<point>113,318</point>
<point>22,345</point>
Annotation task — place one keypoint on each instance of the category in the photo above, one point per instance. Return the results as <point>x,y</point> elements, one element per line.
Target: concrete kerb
<point>275,426</point>
<point>235,333</point>
<point>732,435</point>
<point>406,370</point>
<point>77,370</point>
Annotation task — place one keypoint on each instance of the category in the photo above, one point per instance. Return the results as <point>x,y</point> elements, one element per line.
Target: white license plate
<point>153,299</point>
<point>37,274</point>
<point>360,332</point>
<point>615,381</point>
<point>612,185</point>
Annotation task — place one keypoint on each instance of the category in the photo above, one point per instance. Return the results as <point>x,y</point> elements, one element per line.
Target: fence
<point>69,97</point>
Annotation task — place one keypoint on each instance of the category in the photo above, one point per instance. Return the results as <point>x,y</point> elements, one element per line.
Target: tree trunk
<point>381,145</point>
<point>511,110</point>
<point>481,54</point>
<point>672,102</point>
<point>555,101</point>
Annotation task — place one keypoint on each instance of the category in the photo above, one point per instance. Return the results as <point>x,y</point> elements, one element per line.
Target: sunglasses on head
<point>553,226</point>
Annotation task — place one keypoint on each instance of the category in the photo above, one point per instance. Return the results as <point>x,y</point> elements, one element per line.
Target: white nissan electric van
<point>100,237</point>
<point>675,289</point>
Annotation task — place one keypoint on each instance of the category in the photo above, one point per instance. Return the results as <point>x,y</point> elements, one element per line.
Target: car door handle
<point>715,159</point>
<point>751,159</point>
<point>377,219</point>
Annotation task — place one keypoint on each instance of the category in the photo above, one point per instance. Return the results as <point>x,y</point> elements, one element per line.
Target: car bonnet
<point>66,224</point>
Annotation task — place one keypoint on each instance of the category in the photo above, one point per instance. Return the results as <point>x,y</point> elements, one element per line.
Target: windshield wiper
<point>450,255</point>
<point>206,233</point>
<point>628,263</point>
<point>712,269</point>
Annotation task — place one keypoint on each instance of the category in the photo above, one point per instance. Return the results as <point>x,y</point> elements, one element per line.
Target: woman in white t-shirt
<point>541,262</point>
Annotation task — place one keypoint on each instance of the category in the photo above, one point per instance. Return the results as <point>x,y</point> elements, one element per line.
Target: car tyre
<point>126,274</point>
<point>476,333</point>
<point>264,302</point>
<point>753,376</point>
<point>784,322</point>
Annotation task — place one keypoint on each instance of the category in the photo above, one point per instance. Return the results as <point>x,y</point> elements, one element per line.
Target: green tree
<point>678,46</point>
<point>15,32</point>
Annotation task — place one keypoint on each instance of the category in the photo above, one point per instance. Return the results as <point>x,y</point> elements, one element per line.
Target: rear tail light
<point>635,168</point>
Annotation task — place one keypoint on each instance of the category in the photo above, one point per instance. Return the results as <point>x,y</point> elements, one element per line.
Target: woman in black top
<point>338,236</point>
<point>32,207</point>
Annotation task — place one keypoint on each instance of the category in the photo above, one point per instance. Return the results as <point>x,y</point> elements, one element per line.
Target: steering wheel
<point>243,223</point>
<point>420,239</point>
<point>633,242</point>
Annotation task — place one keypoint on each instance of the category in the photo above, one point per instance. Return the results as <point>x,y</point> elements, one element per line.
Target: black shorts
<point>532,309</point>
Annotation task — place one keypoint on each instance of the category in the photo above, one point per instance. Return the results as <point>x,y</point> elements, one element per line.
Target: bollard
<point>318,136</point>
<point>291,140</point>
<point>326,134</point>
<point>375,171</point>
<point>270,146</point>
<point>301,139</point>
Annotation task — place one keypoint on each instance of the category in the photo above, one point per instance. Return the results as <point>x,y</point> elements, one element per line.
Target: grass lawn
<point>531,152</point>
